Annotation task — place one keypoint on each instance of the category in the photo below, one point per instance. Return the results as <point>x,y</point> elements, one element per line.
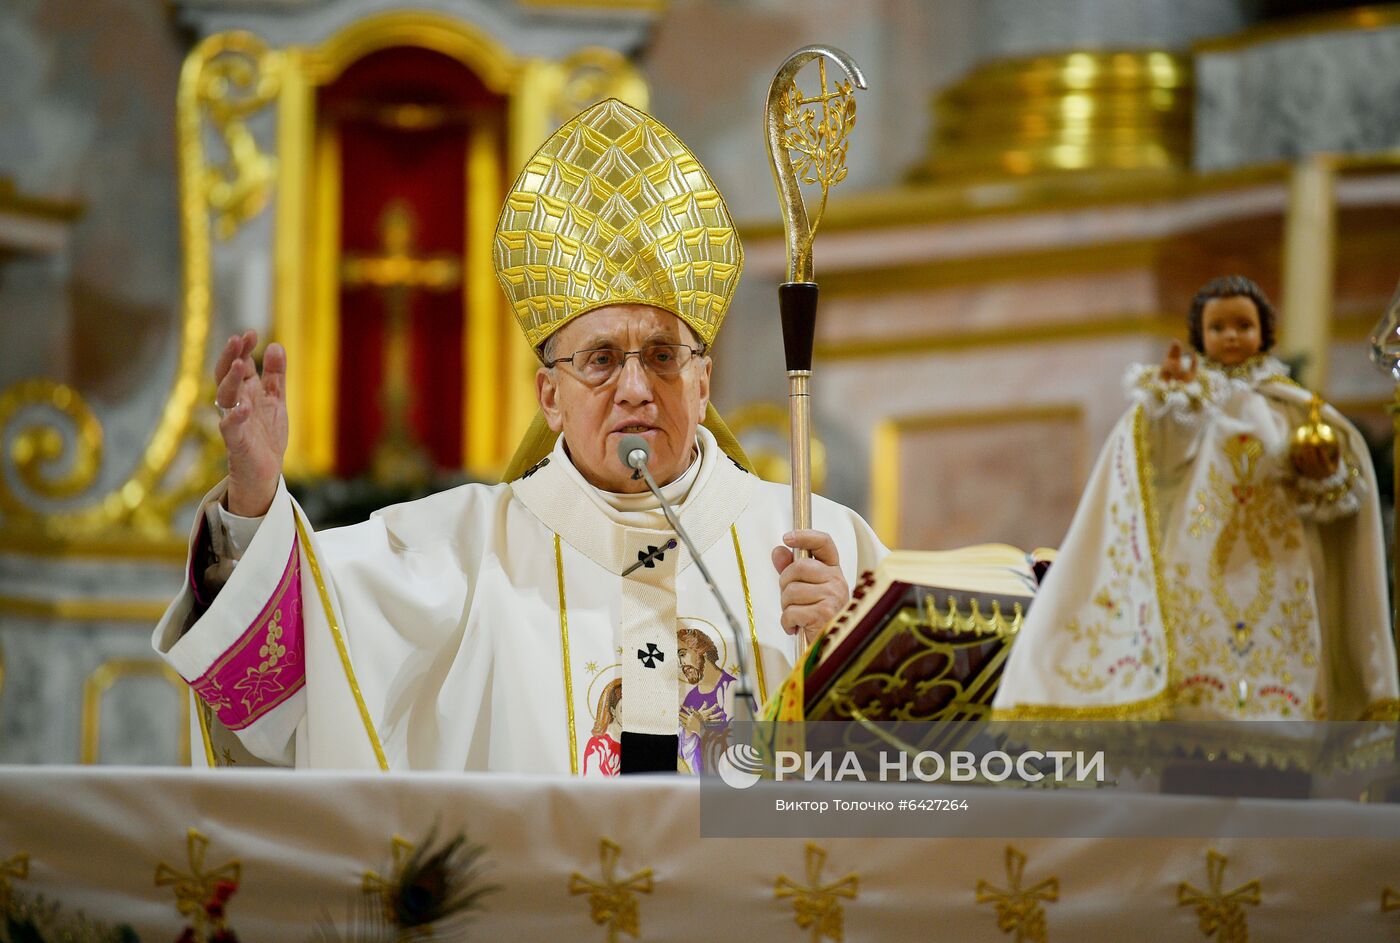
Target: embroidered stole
<point>638,542</point>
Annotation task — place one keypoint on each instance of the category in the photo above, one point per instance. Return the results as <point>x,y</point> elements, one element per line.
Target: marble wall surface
<point>93,640</point>
<point>87,115</point>
<point>1283,98</point>
<point>986,476</point>
<point>1013,28</point>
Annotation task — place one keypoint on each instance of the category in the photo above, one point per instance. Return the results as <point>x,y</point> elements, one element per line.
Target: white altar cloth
<point>94,837</point>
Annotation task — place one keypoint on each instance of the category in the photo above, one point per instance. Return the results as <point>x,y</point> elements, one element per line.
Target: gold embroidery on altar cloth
<point>194,888</point>
<point>372,883</point>
<point>1220,913</point>
<point>13,868</point>
<point>612,903</point>
<point>1019,910</point>
<point>816,906</point>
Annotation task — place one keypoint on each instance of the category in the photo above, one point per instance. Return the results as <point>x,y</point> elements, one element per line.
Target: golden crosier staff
<point>806,144</point>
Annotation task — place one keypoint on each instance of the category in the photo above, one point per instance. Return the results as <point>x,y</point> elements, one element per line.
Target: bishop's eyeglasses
<point>599,365</point>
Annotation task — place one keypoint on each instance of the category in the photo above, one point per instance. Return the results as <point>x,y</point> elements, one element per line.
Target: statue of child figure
<point>1226,560</point>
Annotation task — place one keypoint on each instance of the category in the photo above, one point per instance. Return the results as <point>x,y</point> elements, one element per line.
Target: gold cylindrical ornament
<point>800,435</point>
<point>1128,110</point>
<point>800,420</point>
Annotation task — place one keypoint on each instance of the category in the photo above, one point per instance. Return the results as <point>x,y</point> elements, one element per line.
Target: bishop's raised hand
<point>254,424</point>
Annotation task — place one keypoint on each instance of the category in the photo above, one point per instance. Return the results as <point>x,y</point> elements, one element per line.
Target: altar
<point>589,860</point>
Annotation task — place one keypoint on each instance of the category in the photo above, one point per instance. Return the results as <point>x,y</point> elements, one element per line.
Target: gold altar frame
<point>109,673</point>
<point>499,391</point>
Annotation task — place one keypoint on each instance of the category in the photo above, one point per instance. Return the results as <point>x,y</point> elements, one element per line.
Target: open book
<point>924,636</point>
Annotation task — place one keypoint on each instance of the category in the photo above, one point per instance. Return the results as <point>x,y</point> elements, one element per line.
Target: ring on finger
<point>224,410</point>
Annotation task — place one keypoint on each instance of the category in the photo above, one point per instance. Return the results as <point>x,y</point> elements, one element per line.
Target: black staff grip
<point>797,303</point>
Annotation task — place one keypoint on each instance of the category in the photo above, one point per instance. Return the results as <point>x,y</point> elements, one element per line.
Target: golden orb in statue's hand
<point>1315,438</point>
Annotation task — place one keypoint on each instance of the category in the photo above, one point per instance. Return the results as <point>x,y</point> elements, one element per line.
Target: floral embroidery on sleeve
<point>265,666</point>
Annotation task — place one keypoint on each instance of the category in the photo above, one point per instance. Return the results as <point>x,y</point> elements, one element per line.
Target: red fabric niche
<point>426,169</point>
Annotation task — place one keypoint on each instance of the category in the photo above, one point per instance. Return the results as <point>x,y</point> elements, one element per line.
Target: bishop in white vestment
<point>529,626</point>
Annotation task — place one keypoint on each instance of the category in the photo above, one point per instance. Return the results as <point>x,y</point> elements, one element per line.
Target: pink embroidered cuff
<point>266,665</point>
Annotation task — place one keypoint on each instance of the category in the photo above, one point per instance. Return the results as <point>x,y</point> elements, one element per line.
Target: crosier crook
<point>791,126</point>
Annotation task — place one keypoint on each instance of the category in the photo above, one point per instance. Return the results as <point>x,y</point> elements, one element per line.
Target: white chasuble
<point>492,628</point>
<point>1202,578</point>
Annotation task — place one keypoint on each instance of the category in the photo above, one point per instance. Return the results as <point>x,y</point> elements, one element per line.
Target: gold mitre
<point>614,209</point>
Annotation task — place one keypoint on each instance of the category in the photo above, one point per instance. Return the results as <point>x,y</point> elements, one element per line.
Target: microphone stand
<point>744,701</point>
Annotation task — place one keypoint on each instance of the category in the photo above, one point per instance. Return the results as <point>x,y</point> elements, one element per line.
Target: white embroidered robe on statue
<point>1203,579</point>
<point>432,636</point>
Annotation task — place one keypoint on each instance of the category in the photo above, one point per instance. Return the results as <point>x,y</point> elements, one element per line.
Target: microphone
<point>635,453</point>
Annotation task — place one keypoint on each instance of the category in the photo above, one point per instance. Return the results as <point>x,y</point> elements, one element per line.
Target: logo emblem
<point>740,766</point>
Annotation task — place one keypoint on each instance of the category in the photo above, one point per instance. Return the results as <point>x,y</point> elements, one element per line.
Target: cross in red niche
<point>399,458</point>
